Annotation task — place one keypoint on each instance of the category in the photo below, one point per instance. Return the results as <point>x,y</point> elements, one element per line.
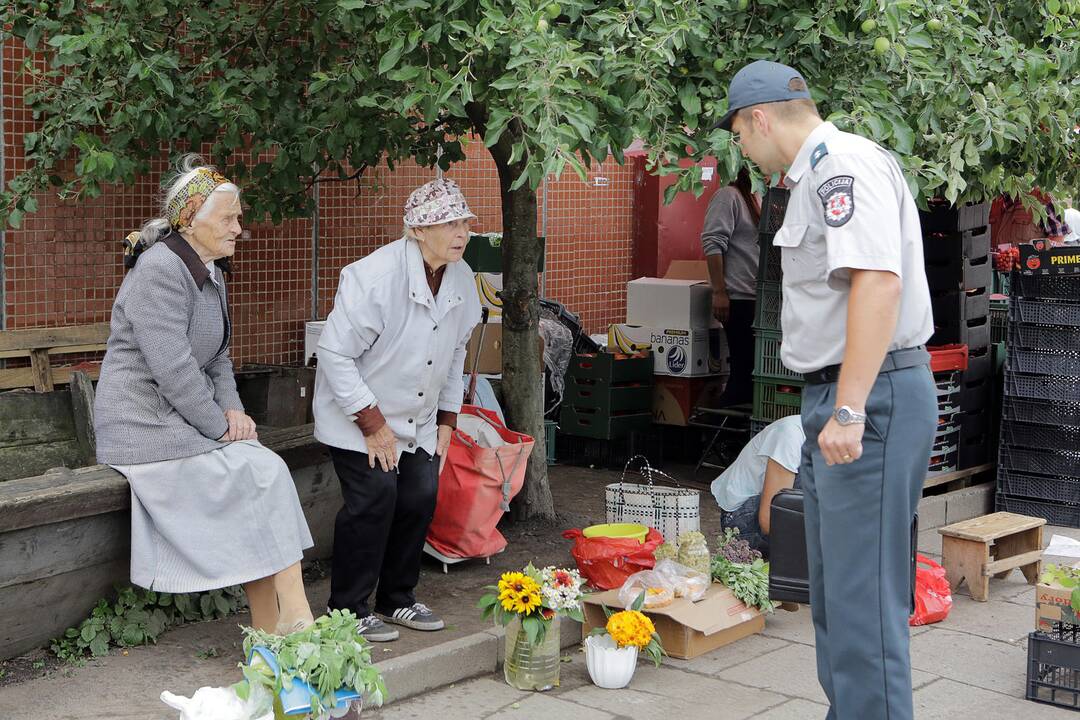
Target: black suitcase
<point>789,576</point>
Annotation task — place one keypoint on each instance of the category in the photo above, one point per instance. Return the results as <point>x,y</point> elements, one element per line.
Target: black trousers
<point>380,530</point>
<point>740,337</point>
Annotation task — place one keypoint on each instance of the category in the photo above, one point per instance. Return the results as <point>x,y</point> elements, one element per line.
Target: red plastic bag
<point>933,596</point>
<point>607,562</point>
<point>475,489</point>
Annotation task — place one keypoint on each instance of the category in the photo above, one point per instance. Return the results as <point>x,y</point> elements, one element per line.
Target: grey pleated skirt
<point>225,517</point>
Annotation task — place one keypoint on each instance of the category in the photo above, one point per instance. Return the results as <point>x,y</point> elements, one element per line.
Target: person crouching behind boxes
<point>387,392</point>
<point>768,464</point>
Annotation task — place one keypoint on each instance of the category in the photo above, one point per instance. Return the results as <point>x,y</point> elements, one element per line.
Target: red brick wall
<point>64,265</point>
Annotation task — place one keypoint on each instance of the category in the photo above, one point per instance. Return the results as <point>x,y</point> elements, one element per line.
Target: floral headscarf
<point>186,203</point>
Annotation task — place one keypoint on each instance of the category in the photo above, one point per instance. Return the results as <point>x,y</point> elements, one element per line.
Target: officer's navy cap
<point>762,82</point>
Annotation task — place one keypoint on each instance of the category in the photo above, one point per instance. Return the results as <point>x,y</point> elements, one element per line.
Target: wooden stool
<point>966,550</point>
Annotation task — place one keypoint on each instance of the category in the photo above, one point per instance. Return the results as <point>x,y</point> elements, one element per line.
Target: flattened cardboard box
<point>687,629</point>
<point>1053,603</point>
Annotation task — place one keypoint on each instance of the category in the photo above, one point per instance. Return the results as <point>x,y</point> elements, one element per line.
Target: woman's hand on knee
<point>382,447</point>
<point>241,426</point>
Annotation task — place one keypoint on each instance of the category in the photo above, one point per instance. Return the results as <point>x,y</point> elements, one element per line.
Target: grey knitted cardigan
<point>167,377</point>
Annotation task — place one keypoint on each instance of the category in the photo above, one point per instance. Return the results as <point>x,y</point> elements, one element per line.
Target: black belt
<point>894,360</point>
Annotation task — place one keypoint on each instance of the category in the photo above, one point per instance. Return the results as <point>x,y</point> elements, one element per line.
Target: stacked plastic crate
<point>1039,455</point>
<point>959,271</point>
<point>777,390</point>
<point>948,363</point>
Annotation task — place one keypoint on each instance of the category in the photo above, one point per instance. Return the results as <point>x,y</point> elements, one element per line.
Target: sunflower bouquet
<point>535,597</point>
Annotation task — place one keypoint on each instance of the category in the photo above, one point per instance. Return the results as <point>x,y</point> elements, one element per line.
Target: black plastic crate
<point>1043,337</point>
<point>1025,360</point>
<point>943,247</point>
<point>973,332</point>
<point>973,425</point>
<point>980,365</point>
<point>770,271</point>
<point>1054,513</point>
<point>975,394</point>
<point>773,208</point>
<point>1039,411</point>
<point>943,217</point>
<point>974,451</point>
<point>1038,435</point>
<point>1041,387</point>
<point>1038,487</point>
<point>1053,673</point>
<point>1062,287</point>
<point>1042,461</point>
<point>967,274</point>
<point>1045,311</point>
<point>959,306</point>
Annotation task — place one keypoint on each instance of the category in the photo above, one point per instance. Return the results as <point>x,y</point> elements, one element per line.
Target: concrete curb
<point>453,661</point>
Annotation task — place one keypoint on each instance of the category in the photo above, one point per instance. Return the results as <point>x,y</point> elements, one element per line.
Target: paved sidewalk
<point>972,665</point>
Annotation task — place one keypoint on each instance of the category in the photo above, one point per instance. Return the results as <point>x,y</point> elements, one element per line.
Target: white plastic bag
<point>218,703</point>
<point>659,590</point>
<point>689,583</point>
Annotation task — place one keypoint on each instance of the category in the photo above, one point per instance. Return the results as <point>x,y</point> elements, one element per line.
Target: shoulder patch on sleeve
<point>838,199</point>
<point>815,157</point>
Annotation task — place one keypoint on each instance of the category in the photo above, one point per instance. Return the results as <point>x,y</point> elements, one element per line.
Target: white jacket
<point>388,339</point>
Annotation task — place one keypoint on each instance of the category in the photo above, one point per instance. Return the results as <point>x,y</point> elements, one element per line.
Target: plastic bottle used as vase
<point>610,666</point>
<point>532,667</point>
<point>694,552</point>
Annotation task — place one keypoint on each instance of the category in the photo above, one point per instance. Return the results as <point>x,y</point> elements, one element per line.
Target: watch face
<point>843,416</point>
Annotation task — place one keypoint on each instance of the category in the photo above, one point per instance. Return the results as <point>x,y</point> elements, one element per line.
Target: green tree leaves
<point>288,91</point>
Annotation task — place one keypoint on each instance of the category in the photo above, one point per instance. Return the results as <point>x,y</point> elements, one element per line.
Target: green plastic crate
<point>588,393</point>
<point>595,423</point>
<point>777,399</point>
<point>549,438</point>
<point>767,308</point>
<point>611,368</point>
<point>767,364</point>
<point>484,253</point>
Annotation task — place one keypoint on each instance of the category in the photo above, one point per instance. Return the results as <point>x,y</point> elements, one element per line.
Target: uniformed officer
<point>856,313</point>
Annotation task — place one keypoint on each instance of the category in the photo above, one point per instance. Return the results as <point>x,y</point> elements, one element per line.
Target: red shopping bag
<point>475,489</point>
<point>607,562</point>
<point>933,596</point>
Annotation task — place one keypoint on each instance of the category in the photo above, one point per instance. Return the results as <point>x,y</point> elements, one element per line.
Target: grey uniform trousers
<point>858,541</point>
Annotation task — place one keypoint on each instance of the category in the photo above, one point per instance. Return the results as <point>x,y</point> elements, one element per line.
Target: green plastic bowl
<point>617,530</point>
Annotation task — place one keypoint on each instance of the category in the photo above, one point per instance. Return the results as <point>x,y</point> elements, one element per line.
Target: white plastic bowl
<point>610,667</point>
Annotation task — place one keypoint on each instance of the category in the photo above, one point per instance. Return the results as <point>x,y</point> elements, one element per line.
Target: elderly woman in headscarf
<point>387,392</point>
<point>210,506</point>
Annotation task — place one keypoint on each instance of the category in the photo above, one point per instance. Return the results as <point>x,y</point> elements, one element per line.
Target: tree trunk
<point>522,376</point>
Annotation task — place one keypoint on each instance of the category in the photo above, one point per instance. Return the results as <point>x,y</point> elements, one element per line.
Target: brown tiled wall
<point>64,265</point>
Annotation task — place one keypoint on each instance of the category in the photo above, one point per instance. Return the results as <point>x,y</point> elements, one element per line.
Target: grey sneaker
<point>417,616</point>
<point>374,629</point>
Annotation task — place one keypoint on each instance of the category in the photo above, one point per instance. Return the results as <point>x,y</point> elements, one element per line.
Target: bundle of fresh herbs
<point>328,656</point>
<point>742,570</point>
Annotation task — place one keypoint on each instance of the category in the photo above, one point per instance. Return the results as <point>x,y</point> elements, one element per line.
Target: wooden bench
<point>40,345</point>
<point>991,545</point>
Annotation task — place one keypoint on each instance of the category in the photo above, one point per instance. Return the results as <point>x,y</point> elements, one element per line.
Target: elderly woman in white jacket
<point>387,393</point>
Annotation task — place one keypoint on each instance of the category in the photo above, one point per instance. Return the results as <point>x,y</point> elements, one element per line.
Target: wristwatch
<point>844,415</point>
